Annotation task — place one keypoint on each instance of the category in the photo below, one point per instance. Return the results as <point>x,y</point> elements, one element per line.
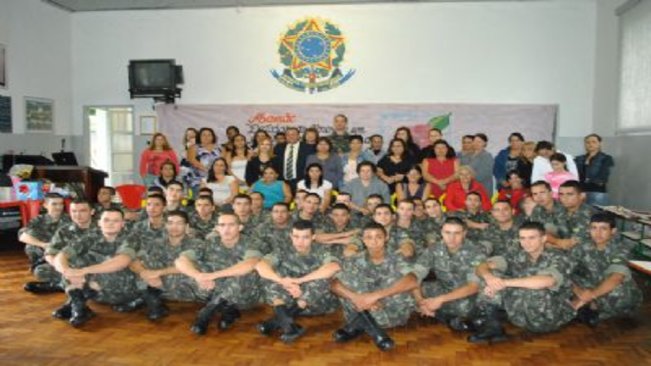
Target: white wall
<point>503,52</point>
<point>38,40</point>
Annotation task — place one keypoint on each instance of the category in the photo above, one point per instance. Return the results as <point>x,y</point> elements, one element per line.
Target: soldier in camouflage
<point>81,215</point>
<point>94,268</point>
<point>406,223</point>
<point>153,262</point>
<point>573,218</point>
<point>533,286</point>
<point>476,219</point>
<point>223,267</point>
<point>373,287</point>
<point>242,208</point>
<point>337,233</point>
<point>340,138</point>
<point>451,297</point>
<point>153,226</point>
<point>174,197</point>
<point>296,281</point>
<point>603,286</point>
<point>275,233</point>
<point>37,236</point>
<point>501,235</point>
<point>203,219</point>
<point>547,209</point>
<point>400,240</point>
<point>105,197</point>
<point>309,210</point>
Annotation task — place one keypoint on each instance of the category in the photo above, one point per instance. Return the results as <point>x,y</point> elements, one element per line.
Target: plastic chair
<point>131,195</point>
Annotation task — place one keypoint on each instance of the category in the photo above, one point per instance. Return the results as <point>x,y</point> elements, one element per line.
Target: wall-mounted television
<point>154,78</point>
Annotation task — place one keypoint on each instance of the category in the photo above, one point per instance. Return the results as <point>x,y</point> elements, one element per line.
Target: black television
<point>154,78</point>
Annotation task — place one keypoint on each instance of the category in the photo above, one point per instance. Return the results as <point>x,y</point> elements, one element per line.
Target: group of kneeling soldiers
<point>538,272</point>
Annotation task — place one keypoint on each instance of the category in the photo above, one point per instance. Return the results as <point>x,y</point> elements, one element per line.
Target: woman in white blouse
<point>314,183</point>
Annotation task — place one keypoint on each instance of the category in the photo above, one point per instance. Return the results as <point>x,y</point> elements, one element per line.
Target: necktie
<point>289,165</point>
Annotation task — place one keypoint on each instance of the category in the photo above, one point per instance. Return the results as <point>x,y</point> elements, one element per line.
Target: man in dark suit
<point>291,158</point>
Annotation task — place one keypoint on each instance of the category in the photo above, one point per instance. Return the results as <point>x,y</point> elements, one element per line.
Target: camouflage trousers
<point>624,300</point>
<point>316,294</point>
<point>36,256</point>
<point>461,307</point>
<point>243,291</point>
<point>394,311</point>
<point>178,287</point>
<point>537,311</point>
<point>114,288</point>
<point>45,272</point>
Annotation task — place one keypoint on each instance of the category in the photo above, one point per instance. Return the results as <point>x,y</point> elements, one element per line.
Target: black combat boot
<point>588,316</point>
<point>489,328</point>
<point>229,315</point>
<point>64,312</point>
<point>285,320</point>
<point>379,336</point>
<point>268,326</point>
<point>80,313</point>
<point>350,331</point>
<point>156,309</point>
<point>204,316</point>
<point>38,287</point>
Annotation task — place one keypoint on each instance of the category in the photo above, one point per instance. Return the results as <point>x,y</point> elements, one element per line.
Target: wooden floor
<point>29,336</point>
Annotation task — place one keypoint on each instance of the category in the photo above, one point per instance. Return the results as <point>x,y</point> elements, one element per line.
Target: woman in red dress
<point>441,169</point>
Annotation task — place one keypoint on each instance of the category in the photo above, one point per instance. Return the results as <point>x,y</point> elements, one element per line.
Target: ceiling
<point>107,5</point>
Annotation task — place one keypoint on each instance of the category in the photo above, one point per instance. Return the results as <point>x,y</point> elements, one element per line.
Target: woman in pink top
<point>151,159</point>
<point>559,173</point>
<point>440,170</point>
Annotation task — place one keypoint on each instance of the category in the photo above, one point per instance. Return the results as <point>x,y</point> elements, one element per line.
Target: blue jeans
<point>597,198</point>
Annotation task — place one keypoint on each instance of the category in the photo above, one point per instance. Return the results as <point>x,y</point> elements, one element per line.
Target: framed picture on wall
<point>148,125</point>
<point>3,66</point>
<point>39,115</point>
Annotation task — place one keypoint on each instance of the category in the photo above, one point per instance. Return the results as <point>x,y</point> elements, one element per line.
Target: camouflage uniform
<point>289,263</point>
<point>481,217</point>
<point>269,237</point>
<point>537,311</point>
<point>317,220</point>
<point>416,232</point>
<point>398,236</point>
<point>453,270</point>
<point>595,265</point>
<point>200,227</point>
<point>431,230</point>
<point>499,242</point>
<point>160,254</point>
<point>337,250</point>
<point>142,232</point>
<point>576,224</point>
<point>340,143</point>
<point>63,236</point>
<point>361,275</point>
<point>548,218</point>
<point>212,256</point>
<point>116,287</point>
<point>42,227</point>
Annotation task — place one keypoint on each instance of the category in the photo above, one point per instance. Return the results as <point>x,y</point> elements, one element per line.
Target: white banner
<point>497,121</point>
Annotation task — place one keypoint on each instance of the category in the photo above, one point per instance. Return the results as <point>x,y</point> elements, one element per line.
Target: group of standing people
<point>276,167</point>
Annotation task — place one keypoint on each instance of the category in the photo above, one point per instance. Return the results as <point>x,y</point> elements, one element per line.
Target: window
<point>635,66</point>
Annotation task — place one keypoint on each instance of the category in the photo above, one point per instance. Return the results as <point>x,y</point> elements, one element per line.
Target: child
<point>559,173</point>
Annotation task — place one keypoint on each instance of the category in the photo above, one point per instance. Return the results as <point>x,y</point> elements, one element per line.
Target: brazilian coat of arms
<point>312,51</point>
